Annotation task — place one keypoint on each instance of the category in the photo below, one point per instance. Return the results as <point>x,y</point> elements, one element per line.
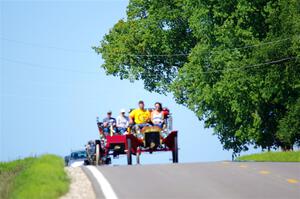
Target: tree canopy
<point>234,63</point>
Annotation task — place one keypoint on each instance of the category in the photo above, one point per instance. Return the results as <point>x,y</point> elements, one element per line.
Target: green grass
<point>8,172</point>
<point>289,156</point>
<point>42,177</point>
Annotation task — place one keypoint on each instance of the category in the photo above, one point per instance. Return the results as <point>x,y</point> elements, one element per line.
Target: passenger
<point>140,116</point>
<point>122,122</point>
<point>108,123</point>
<point>157,115</point>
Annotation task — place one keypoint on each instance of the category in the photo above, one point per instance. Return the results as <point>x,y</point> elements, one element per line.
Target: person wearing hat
<point>140,116</point>
<point>122,122</point>
<point>109,122</point>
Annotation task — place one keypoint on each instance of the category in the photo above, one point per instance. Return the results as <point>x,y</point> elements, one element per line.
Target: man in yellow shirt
<point>140,116</point>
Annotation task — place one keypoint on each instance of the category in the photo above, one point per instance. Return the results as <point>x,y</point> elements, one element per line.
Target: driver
<point>140,116</point>
<point>109,122</point>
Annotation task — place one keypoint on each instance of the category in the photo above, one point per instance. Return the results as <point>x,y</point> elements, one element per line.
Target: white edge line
<point>103,183</point>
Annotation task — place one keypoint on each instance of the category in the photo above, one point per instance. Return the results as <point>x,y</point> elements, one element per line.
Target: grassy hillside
<point>42,177</point>
<point>289,156</point>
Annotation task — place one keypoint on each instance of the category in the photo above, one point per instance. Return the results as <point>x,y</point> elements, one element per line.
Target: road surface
<point>198,180</point>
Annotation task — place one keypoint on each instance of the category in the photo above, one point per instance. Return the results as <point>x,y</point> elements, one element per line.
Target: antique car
<point>134,142</point>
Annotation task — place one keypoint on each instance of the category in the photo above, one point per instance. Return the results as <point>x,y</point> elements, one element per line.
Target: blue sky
<point>52,86</point>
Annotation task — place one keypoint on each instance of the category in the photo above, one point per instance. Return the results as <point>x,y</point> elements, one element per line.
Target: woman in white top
<point>122,122</point>
<point>157,116</point>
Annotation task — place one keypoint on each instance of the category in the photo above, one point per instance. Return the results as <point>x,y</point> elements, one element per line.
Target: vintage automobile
<point>154,139</point>
<point>135,142</point>
<point>95,153</point>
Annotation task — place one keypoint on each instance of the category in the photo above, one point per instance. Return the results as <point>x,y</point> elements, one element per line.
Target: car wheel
<point>175,150</point>
<point>97,154</point>
<point>138,155</point>
<point>129,155</point>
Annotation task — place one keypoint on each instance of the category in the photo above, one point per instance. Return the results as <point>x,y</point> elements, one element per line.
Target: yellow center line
<point>292,181</point>
<point>264,172</point>
<point>243,166</point>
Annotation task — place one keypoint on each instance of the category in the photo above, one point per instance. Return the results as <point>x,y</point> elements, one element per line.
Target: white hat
<point>122,110</point>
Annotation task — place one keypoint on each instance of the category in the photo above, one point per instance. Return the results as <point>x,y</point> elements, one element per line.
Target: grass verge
<point>288,156</point>
<point>42,177</point>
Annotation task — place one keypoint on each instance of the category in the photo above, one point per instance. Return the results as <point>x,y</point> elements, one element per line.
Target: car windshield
<point>78,155</point>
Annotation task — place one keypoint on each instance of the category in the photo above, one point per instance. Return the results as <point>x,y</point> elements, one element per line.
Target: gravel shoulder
<point>80,186</point>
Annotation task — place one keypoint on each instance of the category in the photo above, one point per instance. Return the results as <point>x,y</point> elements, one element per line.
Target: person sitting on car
<point>157,115</point>
<point>140,116</point>
<point>122,122</point>
<point>108,123</point>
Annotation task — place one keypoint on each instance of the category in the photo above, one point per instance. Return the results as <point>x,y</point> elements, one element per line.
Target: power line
<point>45,67</point>
<point>44,46</point>
<point>140,55</point>
<point>204,72</point>
<point>252,66</point>
<point>186,54</point>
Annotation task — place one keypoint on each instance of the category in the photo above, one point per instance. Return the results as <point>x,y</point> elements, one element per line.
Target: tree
<point>242,100</point>
<point>242,72</point>
<point>289,125</point>
<point>152,28</point>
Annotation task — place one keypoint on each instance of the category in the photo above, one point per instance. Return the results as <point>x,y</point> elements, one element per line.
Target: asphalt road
<point>201,180</point>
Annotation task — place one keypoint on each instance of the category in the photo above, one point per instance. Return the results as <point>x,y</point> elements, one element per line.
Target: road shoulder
<point>80,187</point>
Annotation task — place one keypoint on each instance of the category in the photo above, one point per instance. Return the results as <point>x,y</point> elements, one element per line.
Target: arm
<point>151,117</point>
<point>105,123</point>
<point>131,120</point>
<point>127,122</point>
<point>163,118</point>
<point>131,117</point>
<point>118,121</point>
<point>113,123</point>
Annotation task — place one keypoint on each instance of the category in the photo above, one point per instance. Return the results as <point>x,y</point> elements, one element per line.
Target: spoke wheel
<point>175,150</point>
<point>129,153</point>
<point>138,155</point>
<point>97,154</point>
